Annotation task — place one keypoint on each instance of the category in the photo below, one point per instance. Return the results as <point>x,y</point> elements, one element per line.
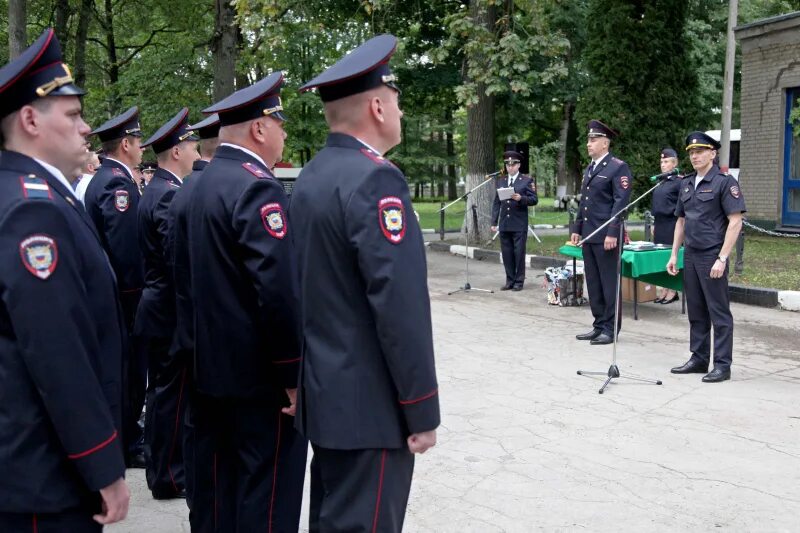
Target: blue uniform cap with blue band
<point>120,126</point>
<point>172,133</point>
<point>598,129</point>
<point>260,99</point>
<point>208,128</point>
<point>698,139</point>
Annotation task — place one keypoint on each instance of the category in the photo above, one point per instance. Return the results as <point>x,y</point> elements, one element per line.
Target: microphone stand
<point>467,287</point>
<point>613,371</point>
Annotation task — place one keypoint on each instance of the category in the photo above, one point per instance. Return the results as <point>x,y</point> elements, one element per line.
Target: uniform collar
<point>343,140</point>
<point>248,152</point>
<point>368,146</point>
<point>514,177</point>
<point>57,174</point>
<point>120,163</point>
<point>598,161</point>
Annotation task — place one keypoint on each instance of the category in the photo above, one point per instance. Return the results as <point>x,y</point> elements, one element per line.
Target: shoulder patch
<point>34,187</point>
<point>254,169</point>
<point>121,201</point>
<point>117,172</point>
<point>735,191</point>
<point>39,254</point>
<point>625,182</point>
<point>274,220</point>
<point>377,159</point>
<point>391,218</point>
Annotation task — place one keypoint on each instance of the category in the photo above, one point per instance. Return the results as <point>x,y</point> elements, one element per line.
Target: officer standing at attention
<point>175,146</point>
<point>112,201</point>
<point>513,220</point>
<point>709,211</point>
<point>250,461</point>
<point>665,197</point>
<point>61,336</point>
<point>368,393</point>
<point>605,190</point>
<point>182,342</point>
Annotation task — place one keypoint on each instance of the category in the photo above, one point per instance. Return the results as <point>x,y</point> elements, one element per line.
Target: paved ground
<point>528,445</point>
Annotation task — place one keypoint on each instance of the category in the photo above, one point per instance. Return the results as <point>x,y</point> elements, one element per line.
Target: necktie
<point>510,181</point>
<point>591,168</point>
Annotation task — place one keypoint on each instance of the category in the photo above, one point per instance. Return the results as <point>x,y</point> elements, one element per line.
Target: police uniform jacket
<point>112,201</point>
<point>513,214</point>
<point>665,197</point>
<point>156,314</point>
<point>178,213</point>
<point>244,293</point>
<point>61,346</point>
<point>706,209</point>
<point>604,191</point>
<point>368,378</point>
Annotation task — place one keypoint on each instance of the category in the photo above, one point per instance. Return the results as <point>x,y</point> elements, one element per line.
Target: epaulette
<point>174,185</point>
<point>34,187</point>
<point>377,159</point>
<point>253,169</point>
<point>616,160</point>
<point>118,172</point>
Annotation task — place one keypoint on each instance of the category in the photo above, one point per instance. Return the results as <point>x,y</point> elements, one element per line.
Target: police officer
<point>709,211</point>
<point>367,403</point>
<point>112,201</point>
<point>61,336</point>
<point>250,461</point>
<point>605,190</point>
<point>665,197</point>
<point>513,220</point>
<point>182,342</point>
<point>175,146</point>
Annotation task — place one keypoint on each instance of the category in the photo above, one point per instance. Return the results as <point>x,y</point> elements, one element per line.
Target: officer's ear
<point>376,108</point>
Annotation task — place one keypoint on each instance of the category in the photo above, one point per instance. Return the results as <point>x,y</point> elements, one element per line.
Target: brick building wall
<point>770,64</point>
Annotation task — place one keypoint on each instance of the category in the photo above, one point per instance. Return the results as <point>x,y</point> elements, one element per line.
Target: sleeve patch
<point>121,201</point>
<point>735,191</point>
<point>274,220</point>
<point>39,255</point>
<point>253,169</point>
<point>625,182</point>
<point>33,187</point>
<point>391,218</point>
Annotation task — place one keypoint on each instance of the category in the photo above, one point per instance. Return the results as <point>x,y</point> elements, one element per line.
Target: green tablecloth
<point>649,266</point>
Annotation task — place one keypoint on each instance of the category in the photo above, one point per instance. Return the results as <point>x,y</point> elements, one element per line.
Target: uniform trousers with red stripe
<point>248,466</point>
<point>164,419</point>
<point>72,521</point>
<point>359,490</point>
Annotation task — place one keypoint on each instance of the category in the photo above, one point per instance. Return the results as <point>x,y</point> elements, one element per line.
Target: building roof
<point>768,25</point>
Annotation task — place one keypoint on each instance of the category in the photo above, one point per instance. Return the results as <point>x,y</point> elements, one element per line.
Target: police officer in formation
<point>513,220</point>
<point>709,211</point>
<point>249,460</point>
<point>368,396</point>
<point>112,202</point>
<point>62,333</point>
<point>175,146</point>
<point>665,198</point>
<point>182,349</point>
<point>606,189</point>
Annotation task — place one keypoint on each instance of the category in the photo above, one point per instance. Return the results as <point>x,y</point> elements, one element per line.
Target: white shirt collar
<point>370,147</point>
<point>126,167</point>
<point>597,161</point>
<point>513,177</point>
<point>248,152</point>
<point>56,174</point>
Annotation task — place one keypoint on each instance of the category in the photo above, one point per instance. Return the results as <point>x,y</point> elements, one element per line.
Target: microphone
<point>493,174</point>
<point>663,175</point>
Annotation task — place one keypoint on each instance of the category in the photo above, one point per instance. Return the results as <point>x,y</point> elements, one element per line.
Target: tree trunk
<point>563,172</point>
<point>61,28</point>
<point>17,27</point>
<point>452,191</point>
<point>224,48</point>
<point>81,33</point>
<point>438,170</point>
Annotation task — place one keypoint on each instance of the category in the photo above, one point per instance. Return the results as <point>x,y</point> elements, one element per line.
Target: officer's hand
<point>292,409</point>
<point>672,266</point>
<point>718,269</point>
<point>116,498</point>
<point>610,243</point>
<point>516,196</point>
<point>574,238</point>
<point>493,228</point>
<point>420,442</point>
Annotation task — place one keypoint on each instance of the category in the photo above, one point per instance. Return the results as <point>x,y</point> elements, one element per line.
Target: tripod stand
<point>466,196</point>
<point>613,371</point>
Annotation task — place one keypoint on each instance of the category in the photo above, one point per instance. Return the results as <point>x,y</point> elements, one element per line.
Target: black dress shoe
<point>516,288</point>
<point>692,366</point>
<point>169,495</point>
<point>589,336</point>
<point>603,338</point>
<point>135,460</point>
<point>505,288</point>
<point>717,375</point>
<point>673,299</point>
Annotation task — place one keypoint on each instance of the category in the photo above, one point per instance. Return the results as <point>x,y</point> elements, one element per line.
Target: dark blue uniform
<point>112,202</point>
<point>511,218</point>
<point>368,378</point>
<point>706,209</point>
<point>249,459</point>
<point>665,197</point>
<point>605,190</point>
<point>155,322</point>
<point>61,346</point>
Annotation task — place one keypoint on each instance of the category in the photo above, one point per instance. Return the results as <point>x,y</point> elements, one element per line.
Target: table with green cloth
<point>649,266</point>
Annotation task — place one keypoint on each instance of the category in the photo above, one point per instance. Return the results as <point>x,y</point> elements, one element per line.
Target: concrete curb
<point>758,296</point>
